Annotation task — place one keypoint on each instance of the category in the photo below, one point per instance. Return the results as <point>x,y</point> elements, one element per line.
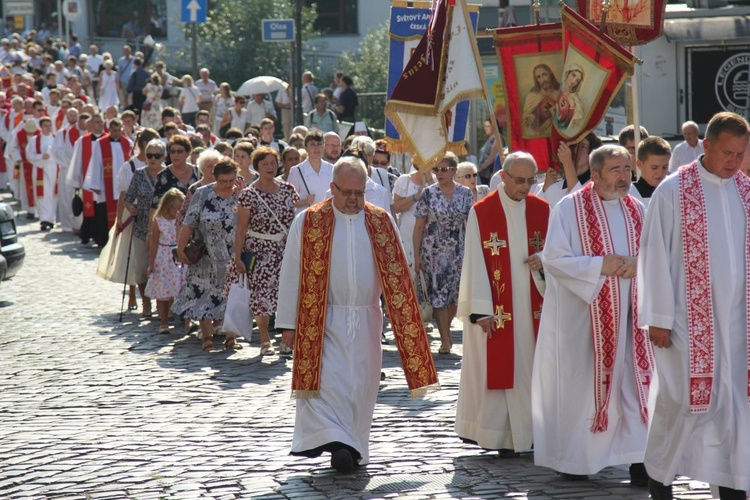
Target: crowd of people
<point>578,291</point>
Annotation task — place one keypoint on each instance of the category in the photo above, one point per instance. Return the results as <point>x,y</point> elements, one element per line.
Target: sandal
<point>208,343</point>
<point>444,350</point>
<point>266,349</point>
<point>163,329</point>
<point>132,305</point>
<point>428,327</point>
<point>147,312</point>
<point>231,344</point>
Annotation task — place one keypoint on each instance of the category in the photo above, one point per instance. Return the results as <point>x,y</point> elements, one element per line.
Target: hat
<point>30,126</point>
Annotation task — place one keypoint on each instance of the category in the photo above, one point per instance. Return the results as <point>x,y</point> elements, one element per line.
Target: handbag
<point>166,93</point>
<point>194,250</point>
<point>425,308</point>
<point>77,204</point>
<point>238,318</point>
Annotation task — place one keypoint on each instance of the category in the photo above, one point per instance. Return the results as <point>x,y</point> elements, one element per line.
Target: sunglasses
<point>522,180</point>
<point>380,163</point>
<point>154,156</point>
<point>442,169</point>
<point>469,176</point>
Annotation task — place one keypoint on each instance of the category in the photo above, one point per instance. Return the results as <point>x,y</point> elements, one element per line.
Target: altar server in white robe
<point>333,318</point>
<point>39,153</point>
<point>494,396</point>
<point>653,164</point>
<point>62,150</point>
<point>591,367</point>
<point>693,283</point>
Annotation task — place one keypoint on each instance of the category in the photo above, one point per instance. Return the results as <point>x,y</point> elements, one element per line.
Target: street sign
<point>19,8</point>
<point>278,30</point>
<point>71,10</point>
<point>194,11</point>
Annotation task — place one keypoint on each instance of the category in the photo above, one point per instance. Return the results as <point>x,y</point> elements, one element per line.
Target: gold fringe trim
<point>458,147</point>
<point>423,391</point>
<point>393,107</point>
<point>305,394</point>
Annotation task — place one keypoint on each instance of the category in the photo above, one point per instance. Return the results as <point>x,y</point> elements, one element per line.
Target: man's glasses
<point>349,192</point>
<point>380,163</point>
<point>470,176</point>
<point>154,156</point>
<point>177,151</point>
<point>522,180</point>
<point>442,169</point>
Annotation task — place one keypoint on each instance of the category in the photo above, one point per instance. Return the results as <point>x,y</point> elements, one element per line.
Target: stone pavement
<point>91,408</point>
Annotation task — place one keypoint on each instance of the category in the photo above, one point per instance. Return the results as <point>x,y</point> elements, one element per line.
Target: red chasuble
<point>493,230</point>
<point>26,167</point>
<point>105,145</point>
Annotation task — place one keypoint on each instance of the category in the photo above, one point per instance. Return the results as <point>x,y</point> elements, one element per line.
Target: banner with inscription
<point>407,26</point>
<point>629,22</point>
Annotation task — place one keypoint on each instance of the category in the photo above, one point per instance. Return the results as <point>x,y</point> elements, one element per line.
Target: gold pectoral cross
<point>501,316</point>
<point>537,241</point>
<point>494,244</point>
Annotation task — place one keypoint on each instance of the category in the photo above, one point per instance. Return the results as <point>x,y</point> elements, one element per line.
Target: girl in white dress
<point>224,101</point>
<point>109,86</point>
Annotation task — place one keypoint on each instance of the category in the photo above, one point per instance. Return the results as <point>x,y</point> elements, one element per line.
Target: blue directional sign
<point>278,30</point>
<point>194,11</point>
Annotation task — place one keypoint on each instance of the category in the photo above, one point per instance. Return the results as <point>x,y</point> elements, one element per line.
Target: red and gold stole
<point>596,240</point>
<point>59,118</point>
<point>87,196</point>
<point>105,145</point>
<point>493,230</point>
<point>700,317</point>
<point>26,167</point>
<point>397,286</point>
<point>39,171</point>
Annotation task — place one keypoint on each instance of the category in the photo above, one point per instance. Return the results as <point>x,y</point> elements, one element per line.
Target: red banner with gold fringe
<point>627,22</point>
<point>531,61</point>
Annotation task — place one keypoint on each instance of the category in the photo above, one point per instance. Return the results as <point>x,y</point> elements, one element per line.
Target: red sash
<point>493,231</point>
<point>59,118</point>
<point>596,240</point>
<point>73,133</point>
<point>86,195</point>
<point>26,167</point>
<point>105,145</point>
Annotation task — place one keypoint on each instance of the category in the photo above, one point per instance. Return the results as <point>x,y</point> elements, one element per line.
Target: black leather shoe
<point>508,453</point>
<point>659,491</point>
<point>342,461</point>
<point>573,477</point>
<point>730,494</point>
<point>638,475</point>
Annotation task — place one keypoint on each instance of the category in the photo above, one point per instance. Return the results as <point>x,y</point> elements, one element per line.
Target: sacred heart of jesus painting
<point>580,88</point>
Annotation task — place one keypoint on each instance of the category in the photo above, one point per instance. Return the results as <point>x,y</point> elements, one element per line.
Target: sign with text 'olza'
<point>19,8</point>
<point>278,30</point>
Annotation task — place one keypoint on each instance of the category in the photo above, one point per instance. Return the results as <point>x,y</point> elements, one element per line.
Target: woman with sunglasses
<point>138,202</point>
<point>439,233</point>
<point>466,175</point>
<point>180,174</point>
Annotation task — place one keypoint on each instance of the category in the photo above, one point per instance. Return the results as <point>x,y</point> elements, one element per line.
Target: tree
<point>368,67</point>
<point>230,41</point>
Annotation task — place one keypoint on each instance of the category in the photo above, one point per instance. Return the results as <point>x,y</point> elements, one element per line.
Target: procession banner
<point>428,106</point>
<point>628,23</point>
<point>595,68</point>
<point>531,62</point>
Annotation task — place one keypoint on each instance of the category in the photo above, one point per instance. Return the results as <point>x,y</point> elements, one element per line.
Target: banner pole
<point>636,113</point>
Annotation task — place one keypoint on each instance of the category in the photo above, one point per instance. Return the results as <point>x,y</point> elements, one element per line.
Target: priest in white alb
<point>500,303</point>
<point>108,154</point>
<point>39,153</point>
<point>347,251</point>
<point>695,258</point>
<point>592,368</point>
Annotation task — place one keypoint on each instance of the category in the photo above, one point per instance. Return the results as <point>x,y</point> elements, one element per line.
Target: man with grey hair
<point>593,366</point>
<point>339,306</point>
<point>688,150</point>
<point>499,301</point>
<point>510,159</point>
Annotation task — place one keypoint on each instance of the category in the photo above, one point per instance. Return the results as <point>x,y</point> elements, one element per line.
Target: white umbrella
<point>261,85</point>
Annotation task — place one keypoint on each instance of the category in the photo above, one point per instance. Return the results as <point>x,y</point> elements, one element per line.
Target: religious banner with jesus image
<point>630,22</point>
<point>594,70</point>
<point>531,62</point>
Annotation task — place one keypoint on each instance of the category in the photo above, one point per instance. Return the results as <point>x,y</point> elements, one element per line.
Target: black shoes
<point>730,494</point>
<point>659,491</point>
<point>638,475</point>
<point>46,226</point>
<point>508,453</point>
<point>342,461</point>
<point>573,477</point>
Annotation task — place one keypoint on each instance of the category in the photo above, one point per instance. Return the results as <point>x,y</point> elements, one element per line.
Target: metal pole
<point>298,62</point>
<point>59,20</point>
<point>195,50</point>
<point>292,79</point>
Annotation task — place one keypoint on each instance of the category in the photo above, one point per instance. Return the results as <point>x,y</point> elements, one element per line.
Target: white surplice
<point>563,377</point>
<point>352,355</point>
<point>496,419</point>
<point>94,180</point>
<point>63,152</point>
<point>713,447</point>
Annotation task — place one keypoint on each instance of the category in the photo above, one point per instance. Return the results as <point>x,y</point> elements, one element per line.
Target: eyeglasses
<point>177,151</point>
<point>522,180</point>
<point>240,102</point>
<point>442,169</point>
<point>470,176</point>
<point>349,192</point>
<point>380,163</point>
<point>226,181</point>
<point>154,156</point>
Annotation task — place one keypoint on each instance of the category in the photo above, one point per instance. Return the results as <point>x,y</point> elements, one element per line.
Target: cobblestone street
<point>92,408</point>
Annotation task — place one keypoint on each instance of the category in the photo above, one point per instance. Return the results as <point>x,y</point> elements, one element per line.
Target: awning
<point>708,29</point>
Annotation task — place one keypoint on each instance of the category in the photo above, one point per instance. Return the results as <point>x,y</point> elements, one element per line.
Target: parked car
<point>12,251</point>
<point>3,267</point>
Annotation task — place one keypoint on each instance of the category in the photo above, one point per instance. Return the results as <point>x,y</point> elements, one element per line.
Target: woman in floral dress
<point>213,213</point>
<point>151,117</point>
<point>439,233</point>
<point>266,211</point>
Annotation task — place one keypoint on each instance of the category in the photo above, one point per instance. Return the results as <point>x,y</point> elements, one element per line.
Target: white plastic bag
<point>238,318</point>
